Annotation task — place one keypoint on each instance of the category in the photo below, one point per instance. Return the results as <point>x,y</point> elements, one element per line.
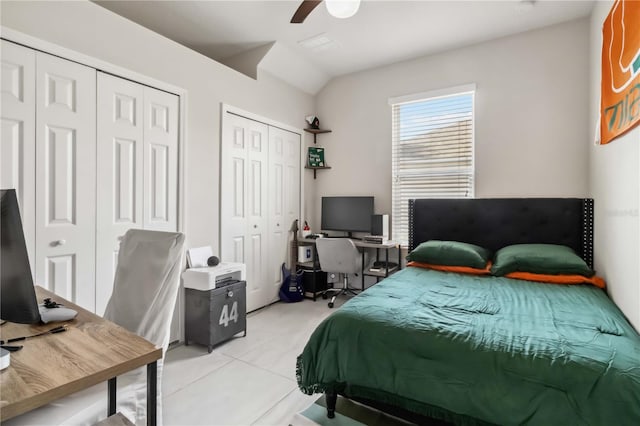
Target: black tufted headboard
<point>497,222</point>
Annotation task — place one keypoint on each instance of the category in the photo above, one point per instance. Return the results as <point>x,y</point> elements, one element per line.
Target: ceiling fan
<point>336,8</point>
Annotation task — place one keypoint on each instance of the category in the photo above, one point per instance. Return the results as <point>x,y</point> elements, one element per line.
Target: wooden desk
<point>363,245</point>
<point>91,351</point>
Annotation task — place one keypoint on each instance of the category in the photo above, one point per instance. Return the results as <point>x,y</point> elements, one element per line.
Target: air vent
<point>318,42</point>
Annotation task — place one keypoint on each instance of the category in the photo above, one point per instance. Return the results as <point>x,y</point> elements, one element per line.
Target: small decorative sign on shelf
<point>316,157</point>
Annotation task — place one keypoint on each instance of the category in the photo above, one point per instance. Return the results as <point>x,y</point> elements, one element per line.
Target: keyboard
<point>383,265</point>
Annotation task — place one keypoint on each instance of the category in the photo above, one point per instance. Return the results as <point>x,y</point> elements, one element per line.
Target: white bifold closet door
<point>284,200</point>
<point>243,202</point>
<point>17,133</point>
<point>65,178</point>
<point>137,151</point>
<point>160,182</point>
<point>119,174</point>
<point>260,198</point>
<point>90,155</point>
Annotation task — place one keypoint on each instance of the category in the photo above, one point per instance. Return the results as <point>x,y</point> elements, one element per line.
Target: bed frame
<point>493,223</point>
<point>498,222</point>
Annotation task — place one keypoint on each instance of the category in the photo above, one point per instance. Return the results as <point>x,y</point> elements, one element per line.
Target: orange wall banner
<point>620,98</point>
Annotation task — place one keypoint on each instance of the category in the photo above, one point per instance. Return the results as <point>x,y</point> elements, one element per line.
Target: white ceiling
<point>382,32</point>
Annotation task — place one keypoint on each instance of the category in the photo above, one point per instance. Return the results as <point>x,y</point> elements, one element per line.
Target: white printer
<point>204,279</point>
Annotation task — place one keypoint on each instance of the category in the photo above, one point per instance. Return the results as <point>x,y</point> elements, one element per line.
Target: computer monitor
<point>19,303</point>
<point>347,214</point>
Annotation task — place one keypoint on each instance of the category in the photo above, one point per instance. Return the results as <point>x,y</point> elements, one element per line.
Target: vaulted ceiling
<point>247,35</point>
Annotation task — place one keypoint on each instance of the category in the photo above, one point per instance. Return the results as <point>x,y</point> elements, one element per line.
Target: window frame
<point>428,96</point>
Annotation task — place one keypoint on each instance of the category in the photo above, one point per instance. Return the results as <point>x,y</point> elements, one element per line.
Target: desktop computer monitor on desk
<point>19,302</point>
<point>347,214</point>
<point>354,214</point>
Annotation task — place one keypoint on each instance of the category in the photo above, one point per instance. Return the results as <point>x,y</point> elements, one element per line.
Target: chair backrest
<point>146,284</point>
<point>338,255</point>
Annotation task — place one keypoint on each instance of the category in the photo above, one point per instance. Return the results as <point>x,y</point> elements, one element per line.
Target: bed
<point>483,350</point>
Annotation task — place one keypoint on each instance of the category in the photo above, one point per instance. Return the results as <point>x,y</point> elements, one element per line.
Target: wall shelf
<point>316,169</point>
<point>316,132</point>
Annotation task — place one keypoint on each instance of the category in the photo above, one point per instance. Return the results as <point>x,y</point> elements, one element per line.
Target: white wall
<point>532,131</point>
<point>94,31</point>
<point>615,186</point>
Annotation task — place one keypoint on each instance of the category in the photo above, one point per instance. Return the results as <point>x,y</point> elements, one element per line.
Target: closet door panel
<point>258,293</point>
<point>17,133</point>
<point>119,174</point>
<point>65,178</point>
<point>233,190</point>
<point>292,181</point>
<point>244,208</point>
<point>278,228</point>
<point>160,160</point>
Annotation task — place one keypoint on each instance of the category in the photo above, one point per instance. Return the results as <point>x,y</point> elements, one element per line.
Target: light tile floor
<point>248,380</point>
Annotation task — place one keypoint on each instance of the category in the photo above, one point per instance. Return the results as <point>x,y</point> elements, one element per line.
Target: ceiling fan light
<point>342,8</point>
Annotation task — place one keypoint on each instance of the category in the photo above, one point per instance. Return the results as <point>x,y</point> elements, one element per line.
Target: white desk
<point>363,245</point>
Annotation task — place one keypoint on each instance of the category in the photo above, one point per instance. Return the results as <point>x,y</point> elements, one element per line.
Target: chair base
<point>337,292</point>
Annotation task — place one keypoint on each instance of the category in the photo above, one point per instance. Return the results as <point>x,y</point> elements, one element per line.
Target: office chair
<point>145,290</point>
<point>144,296</point>
<point>339,255</point>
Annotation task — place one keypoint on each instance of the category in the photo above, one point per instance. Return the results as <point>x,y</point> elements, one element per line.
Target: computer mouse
<point>59,313</point>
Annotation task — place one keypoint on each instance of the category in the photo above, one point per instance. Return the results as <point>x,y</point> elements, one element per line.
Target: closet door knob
<point>255,226</point>
<point>277,224</point>
<point>60,242</point>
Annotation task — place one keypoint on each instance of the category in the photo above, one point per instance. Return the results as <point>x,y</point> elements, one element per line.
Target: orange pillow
<point>557,279</point>
<point>458,269</point>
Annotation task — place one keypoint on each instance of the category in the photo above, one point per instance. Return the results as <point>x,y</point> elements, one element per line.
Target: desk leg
<point>314,284</point>
<point>112,385</point>
<point>362,270</point>
<point>152,392</point>
<point>386,262</point>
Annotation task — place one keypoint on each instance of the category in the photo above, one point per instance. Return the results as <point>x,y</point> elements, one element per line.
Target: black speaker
<point>380,225</point>
<point>213,261</point>
<point>307,280</point>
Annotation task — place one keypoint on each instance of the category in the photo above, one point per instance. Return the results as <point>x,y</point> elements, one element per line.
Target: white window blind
<point>432,154</point>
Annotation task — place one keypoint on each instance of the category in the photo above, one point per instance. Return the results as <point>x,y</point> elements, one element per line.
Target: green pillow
<point>450,253</point>
<point>548,259</point>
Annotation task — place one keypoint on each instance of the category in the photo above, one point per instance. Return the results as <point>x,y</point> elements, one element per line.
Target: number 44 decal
<point>225,317</point>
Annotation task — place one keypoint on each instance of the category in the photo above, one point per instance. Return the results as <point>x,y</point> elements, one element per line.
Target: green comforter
<point>480,349</point>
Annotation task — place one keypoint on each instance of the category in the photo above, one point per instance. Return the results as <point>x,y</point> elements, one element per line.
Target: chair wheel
<point>324,296</point>
<point>330,304</point>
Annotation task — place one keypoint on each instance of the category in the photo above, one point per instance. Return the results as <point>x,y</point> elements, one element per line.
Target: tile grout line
<point>281,399</point>
<point>165,395</point>
<point>273,406</point>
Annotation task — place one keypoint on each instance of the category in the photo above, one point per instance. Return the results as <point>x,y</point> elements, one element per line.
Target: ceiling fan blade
<point>304,10</point>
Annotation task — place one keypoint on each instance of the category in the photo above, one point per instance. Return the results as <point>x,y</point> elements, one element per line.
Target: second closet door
<point>244,203</point>
<point>65,178</point>
<point>284,201</point>
<point>260,198</point>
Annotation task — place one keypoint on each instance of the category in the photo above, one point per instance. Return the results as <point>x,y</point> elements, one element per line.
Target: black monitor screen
<point>348,214</point>
<point>18,295</point>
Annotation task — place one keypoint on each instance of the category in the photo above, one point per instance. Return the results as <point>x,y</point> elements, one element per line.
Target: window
<point>432,150</point>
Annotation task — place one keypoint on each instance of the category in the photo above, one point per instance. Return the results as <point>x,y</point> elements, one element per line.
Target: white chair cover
<point>143,299</point>
<point>144,296</point>
<point>146,283</point>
